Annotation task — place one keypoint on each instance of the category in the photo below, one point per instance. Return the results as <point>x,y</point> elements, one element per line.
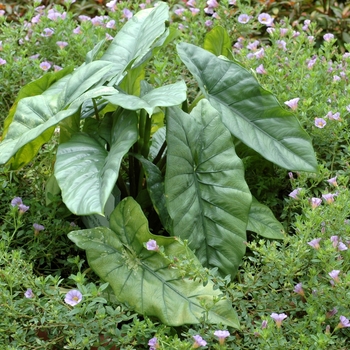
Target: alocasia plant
<point>186,175</point>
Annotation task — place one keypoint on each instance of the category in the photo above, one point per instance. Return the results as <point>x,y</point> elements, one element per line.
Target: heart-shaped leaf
<point>207,196</point>
<point>86,172</point>
<point>148,281</point>
<point>251,113</point>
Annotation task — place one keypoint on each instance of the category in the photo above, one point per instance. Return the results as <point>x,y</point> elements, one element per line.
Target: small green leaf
<point>146,280</point>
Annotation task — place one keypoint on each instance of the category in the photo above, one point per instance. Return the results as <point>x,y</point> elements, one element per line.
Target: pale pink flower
<point>328,37</point>
<point>112,5</point>
<point>45,65</point>
<point>212,3</point>
<point>221,335</point>
<point>127,14</point>
<point>315,243</point>
<point>2,61</point>
<point>152,245</point>
<point>29,294</point>
<point>315,202</point>
<point>47,32</point>
<point>299,289</point>
<point>254,45</point>
<point>335,241</point>
<point>329,197</point>
<point>110,24</point>
<point>77,30</point>
<point>293,103</point>
<point>266,19</point>
<point>73,297</point>
<point>61,44</point>
<point>294,194</point>
<point>243,18</point>
<point>334,275</point>
<point>320,123</point>
<point>344,322</point>
<point>281,44</point>
<point>278,318</point>
<point>342,246</point>
<point>198,342</point>
<point>261,70</point>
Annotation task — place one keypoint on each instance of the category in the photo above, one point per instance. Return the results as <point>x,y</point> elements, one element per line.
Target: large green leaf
<point>34,116</point>
<point>207,196</point>
<point>218,42</point>
<point>263,222</point>
<point>155,187</point>
<point>34,88</point>
<point>137,36</point>
<point>146,280</point>
<point>251,113</point>
<point>86,172</point>
<point>165,96</point>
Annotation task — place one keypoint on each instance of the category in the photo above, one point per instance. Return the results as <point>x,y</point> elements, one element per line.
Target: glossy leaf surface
<point>218,42</point>
<point>165,96</point>
<point>251,113</point>
<point>207,196</point>
<point>144,279</point>
<point>86,172</point>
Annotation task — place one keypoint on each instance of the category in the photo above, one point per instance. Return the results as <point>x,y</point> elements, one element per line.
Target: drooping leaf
<point>157,142</point>
<point>251,113</point>
<point>34,88</point>
<point>218,42</point>
<point>144,279</point>
<point>207,196</point>
<point>165,96</point>
<point>86,172</point>
<point>263,222</point>
<point>34,116</point>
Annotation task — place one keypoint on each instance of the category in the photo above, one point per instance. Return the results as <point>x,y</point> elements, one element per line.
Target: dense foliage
<point>286,293</point>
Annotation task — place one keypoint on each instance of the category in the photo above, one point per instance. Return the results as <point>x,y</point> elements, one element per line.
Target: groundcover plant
<point>175,165</point>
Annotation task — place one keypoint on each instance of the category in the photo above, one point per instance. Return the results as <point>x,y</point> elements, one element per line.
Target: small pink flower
<point>283,31</point>
<point>194,10</point>
<point>47,32</point>
<point>294,194</point>
<point>212,3</point>
<point>73,297</point>
<point>261,70</point>
<point>45,65</point>
<point>299,289</point>
<point>336,78</point>
<point>270,30</point>
<point>110,24</point>
<point>208,23</point>
<point>266,19</point>
<point>331,313</point>
<point>29,294</point>
<point>61,44</point>
<point>315,243</point>
<point>221,335</point>
<point>320,123</point>
<point>179,11</point>
<point>127,14</point>
<point>109,37</point>
<point>315,202</point>
<point>2,62</point>
<point>333,181</point>
<point>77,30</point>
<point>311,63</point>
<point>293,103</point>
<point>344,322</point>
<point>281,44</point>
<point>334,275</point>
<point>153,343</point>
<point>198,341</point>
<point>260,53</point>
<point>335,241</point>
<point>22,208</point>
<point>329,197</point>
<point>38,228</point>
<point>328,37</point>
<point>56,68</point>
<point>264,324</point>
<point>152,245</point>
<point>243,18</point>
<point>278,318</point>
<point>112,5</point>
<point>342,246</point>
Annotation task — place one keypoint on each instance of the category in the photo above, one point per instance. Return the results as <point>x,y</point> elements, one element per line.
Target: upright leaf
<point>218,42</point>
<point>251,113</point>
<point>146,280</point>
<point>137,36</point>
<point>207,196</point>
<point>86,172</point>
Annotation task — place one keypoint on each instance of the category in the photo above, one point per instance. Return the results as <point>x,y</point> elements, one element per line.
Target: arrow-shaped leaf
<point>86,172</point>
<point>207,196</point>
<point>146,280</point>
<point>251,113</point>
